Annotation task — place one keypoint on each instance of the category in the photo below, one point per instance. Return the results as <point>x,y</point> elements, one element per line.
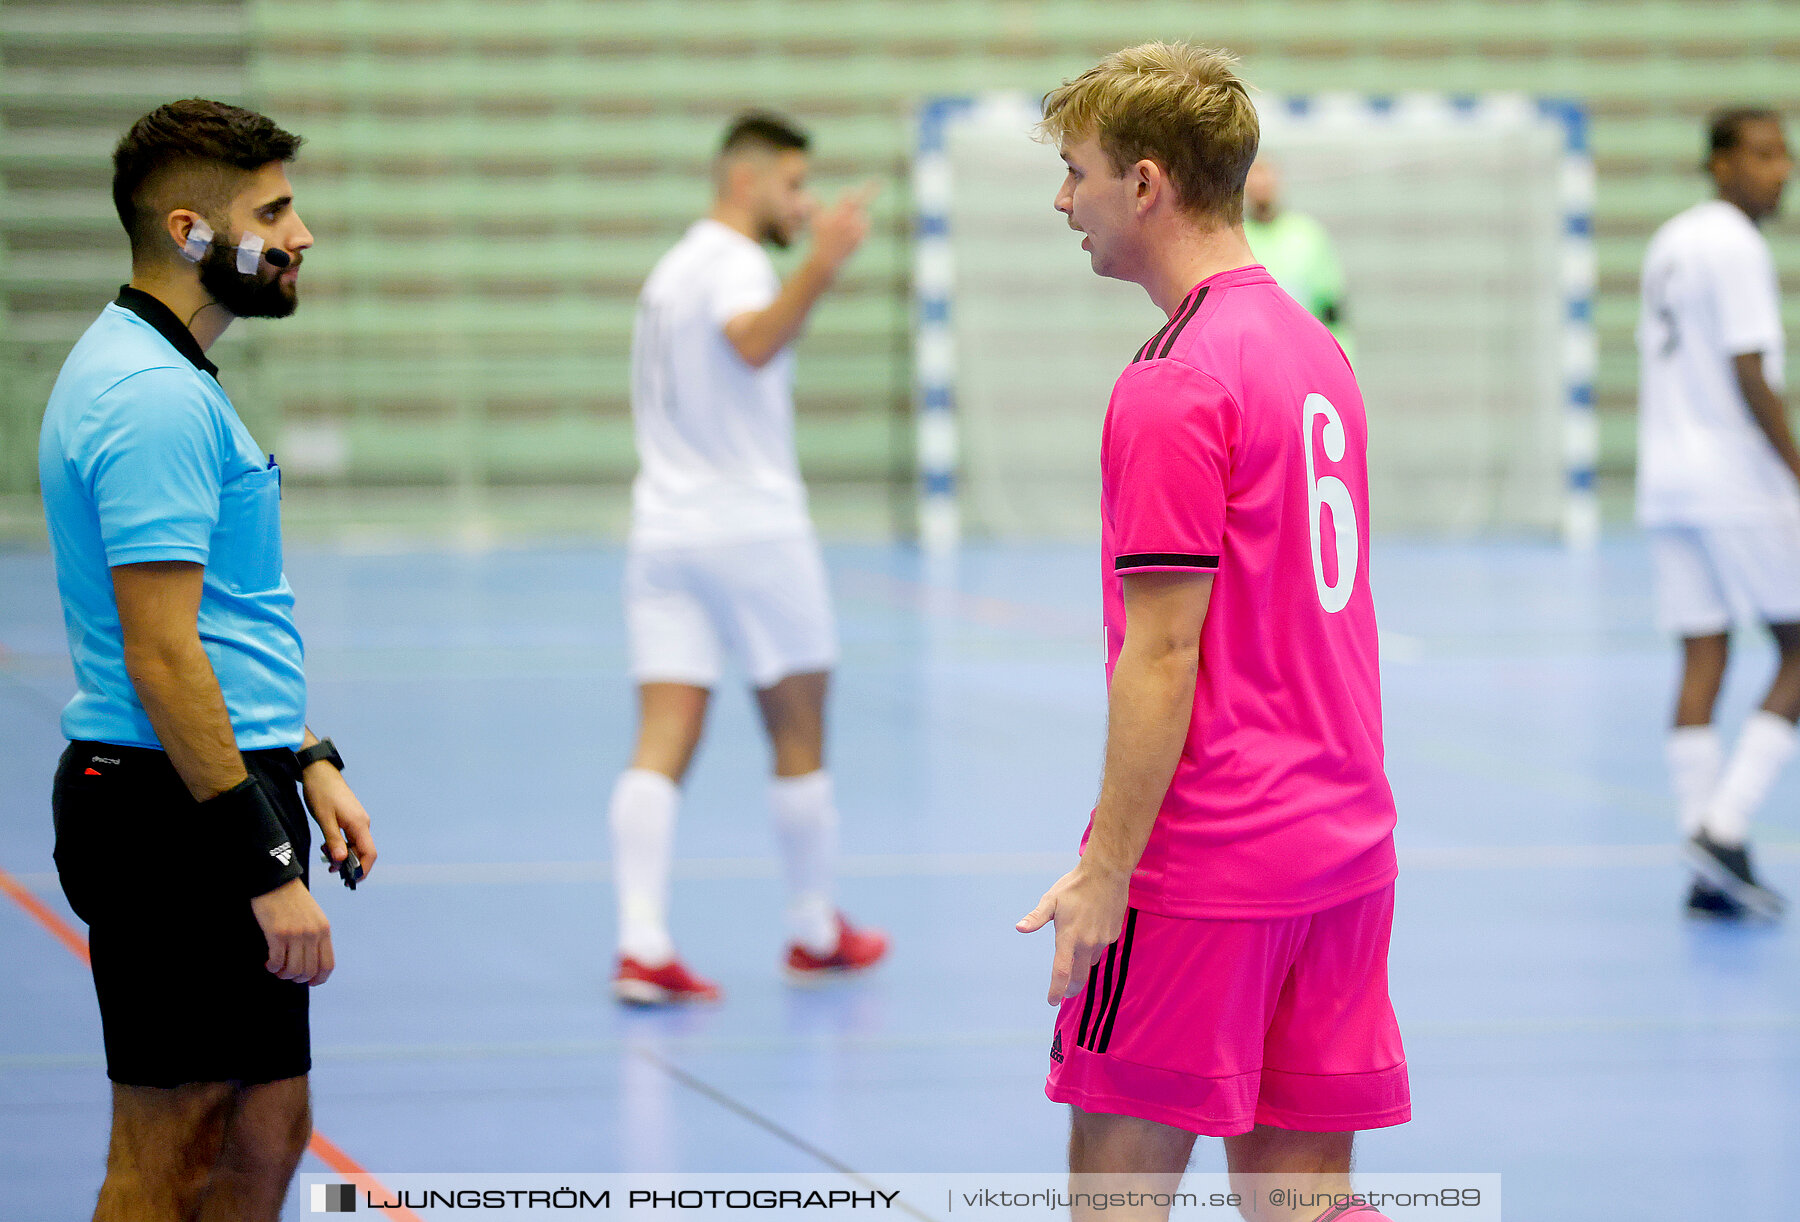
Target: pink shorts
<point>1217,1025</point>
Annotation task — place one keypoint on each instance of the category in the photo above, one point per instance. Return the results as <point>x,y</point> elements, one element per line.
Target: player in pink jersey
<point>1221,948</point>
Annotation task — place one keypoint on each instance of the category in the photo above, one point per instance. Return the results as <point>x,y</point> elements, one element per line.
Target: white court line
<point>933,1040</point>
<point>1399,647</point>
<point>896,865</point>
<point>994,612</point>
<point>980,865</point>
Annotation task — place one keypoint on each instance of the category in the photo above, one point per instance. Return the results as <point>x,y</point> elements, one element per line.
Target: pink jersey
<point>1235,444</point>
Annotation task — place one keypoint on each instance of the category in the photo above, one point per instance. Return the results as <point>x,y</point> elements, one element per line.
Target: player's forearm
<point>1150,705</point>
<point>176,685</point>
<point>759,336</point>
<point>1768,409</point>
<point>1771,416</point>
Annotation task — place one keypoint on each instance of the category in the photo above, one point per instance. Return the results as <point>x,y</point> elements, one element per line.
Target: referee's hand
<point>1088,906</point>
<point>298,934</point>
<point>341,818</point>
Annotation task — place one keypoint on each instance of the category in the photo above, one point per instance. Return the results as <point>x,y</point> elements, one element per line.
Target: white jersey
<point>1709,294</point>
<point>715,437</point>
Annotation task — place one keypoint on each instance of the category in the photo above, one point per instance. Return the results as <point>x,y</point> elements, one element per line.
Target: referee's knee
<point>270,1130</point>
<point>165,1145</point>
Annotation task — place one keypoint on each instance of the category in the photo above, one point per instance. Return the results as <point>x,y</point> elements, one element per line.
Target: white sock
<point>1696,759</point>
<point>806,824</point>
<point>1762,751</point>
<point>643,837</point>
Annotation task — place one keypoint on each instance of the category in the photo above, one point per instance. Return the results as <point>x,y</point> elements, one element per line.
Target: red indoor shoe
<point>857,950</point>
<point>669,985</point>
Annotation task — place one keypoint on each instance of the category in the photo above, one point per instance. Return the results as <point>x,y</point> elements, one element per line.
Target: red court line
<point>59,929</point>
<point>328,1152</point>
<point>322,1147</point>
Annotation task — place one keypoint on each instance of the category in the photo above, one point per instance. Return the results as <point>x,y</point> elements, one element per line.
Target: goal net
<point>1461,225</point>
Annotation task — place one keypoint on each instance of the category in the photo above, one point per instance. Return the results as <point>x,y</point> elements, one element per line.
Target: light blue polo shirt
<point>141,458</point>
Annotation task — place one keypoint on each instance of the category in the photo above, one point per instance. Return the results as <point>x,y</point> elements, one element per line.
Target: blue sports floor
<point>1565,1026</point>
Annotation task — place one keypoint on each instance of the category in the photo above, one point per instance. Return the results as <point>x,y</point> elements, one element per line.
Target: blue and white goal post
<point>1464,226</point>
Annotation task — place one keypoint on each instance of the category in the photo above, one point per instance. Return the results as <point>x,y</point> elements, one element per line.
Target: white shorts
<point>768,602</point>
<point>1711,577</point>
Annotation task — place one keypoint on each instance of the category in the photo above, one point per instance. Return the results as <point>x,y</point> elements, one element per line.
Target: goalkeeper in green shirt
<point>1296,250</point>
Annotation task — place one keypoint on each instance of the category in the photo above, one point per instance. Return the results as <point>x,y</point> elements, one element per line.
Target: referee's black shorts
<point>179,960</point>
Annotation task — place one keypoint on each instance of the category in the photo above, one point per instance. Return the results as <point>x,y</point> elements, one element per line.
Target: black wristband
<point>323,751</point>
<point>246,817</point>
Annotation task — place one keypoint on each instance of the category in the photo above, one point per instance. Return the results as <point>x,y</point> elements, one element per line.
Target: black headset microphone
<point>277,257</point>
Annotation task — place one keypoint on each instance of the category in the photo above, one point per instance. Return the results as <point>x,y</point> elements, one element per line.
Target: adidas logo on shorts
<point>284,853</point>
<point>1056,1047</point>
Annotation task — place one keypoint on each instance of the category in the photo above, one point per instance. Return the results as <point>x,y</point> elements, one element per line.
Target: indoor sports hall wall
<point>489,182</point>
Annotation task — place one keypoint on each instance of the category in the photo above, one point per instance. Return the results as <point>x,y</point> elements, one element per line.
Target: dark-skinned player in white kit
<point>1718,488</point>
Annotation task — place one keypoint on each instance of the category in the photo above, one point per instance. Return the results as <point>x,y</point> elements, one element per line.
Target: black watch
<point>321,750</point>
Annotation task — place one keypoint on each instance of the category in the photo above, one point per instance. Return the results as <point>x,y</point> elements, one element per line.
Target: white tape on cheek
<point>249,254</point>
<point>200,236</point>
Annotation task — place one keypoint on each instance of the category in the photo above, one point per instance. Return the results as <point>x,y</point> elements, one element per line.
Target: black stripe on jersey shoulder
<point>1163,342</point>
<point>1186,317</point>
<point>1166,560</point>
<point>1151,343</point>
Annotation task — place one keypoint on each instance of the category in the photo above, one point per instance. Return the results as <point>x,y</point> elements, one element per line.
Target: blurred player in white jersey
<point>1718,491</point>
<point>722,556</point>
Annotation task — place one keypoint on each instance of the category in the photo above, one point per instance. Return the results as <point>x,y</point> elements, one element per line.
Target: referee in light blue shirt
<point>181,837</point>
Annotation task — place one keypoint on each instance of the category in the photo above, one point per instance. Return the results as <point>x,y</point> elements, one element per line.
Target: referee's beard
<point>245,296</point>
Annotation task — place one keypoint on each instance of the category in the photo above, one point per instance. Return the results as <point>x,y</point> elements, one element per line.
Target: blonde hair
<point>1181,106</point>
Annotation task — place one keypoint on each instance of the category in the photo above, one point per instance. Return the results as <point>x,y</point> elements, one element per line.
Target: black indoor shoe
<point>1707,901</point>
<point>1728,869</point>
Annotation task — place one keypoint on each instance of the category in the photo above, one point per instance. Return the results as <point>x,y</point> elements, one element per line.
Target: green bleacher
<point>489,182</point>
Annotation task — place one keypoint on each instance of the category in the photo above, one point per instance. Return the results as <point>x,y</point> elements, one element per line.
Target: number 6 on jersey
<point>1330,491</point>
